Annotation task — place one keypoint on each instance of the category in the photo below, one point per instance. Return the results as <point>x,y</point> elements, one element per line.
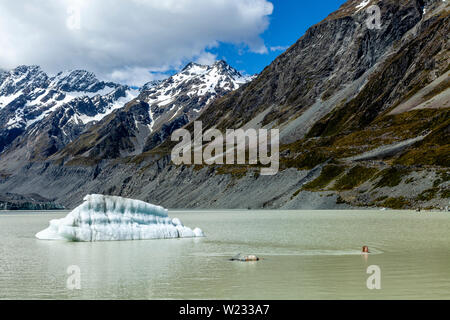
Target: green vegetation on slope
<point>391,177</point>
<point>354,177</point>
<point>328,174</point>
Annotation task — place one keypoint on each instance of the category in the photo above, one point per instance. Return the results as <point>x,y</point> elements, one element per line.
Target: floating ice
<point>102,218</point>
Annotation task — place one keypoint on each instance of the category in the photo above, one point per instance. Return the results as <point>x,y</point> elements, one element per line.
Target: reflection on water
<point>305,255</point>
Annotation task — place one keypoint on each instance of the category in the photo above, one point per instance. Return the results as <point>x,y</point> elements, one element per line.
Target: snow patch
<point>119,103</point>
<point>362,5</point>
<point>5,100</point>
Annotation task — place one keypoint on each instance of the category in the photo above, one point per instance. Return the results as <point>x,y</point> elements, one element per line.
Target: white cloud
<point>134,76</point>
<point>206,58</point>
<point>122,39</point>
<point>278,48</point>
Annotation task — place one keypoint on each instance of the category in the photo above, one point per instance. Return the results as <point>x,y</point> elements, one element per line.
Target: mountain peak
<point>193,68</point>
<point>24,72</point>
<point>191,65</point>
<point>79,80</point>
<point>21,77</point>
<point>26,68</point>
<point>220,67</point>
<point>221,64</point>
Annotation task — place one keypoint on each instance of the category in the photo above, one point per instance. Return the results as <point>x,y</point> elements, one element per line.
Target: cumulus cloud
<point>134,76</point>
<point>206,58</point>
<point>126,40</point>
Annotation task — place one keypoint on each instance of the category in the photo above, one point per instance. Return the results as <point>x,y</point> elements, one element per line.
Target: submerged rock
<point>244,258</point>
<point>102,218</point>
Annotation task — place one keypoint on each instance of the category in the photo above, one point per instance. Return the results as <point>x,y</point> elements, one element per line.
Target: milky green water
<point>306,255</point>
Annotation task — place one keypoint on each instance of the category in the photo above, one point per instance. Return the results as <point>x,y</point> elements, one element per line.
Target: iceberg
<point>110,218</point>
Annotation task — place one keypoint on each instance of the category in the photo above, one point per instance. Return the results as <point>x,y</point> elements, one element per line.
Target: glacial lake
<point>305,255</point>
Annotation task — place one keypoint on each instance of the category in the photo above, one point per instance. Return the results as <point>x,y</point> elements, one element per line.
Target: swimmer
<point>365,249</point>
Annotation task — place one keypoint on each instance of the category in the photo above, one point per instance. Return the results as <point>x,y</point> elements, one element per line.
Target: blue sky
<point>288,22</point>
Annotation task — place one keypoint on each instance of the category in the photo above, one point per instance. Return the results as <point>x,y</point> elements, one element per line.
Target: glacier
<point>112,218</point>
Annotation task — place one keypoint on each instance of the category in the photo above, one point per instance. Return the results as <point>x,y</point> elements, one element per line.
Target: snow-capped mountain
<point>181,98</point>
<point>160,108</point>
<point>45,113</point>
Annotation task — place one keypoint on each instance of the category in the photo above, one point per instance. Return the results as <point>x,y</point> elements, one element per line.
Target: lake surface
<point>306,255</point>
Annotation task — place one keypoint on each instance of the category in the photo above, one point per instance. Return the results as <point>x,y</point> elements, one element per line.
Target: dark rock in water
<point>12,201</point>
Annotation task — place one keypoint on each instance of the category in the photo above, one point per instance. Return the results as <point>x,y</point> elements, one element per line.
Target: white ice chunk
<point>177,222</point>
<point>102,218</point>
<point>198,232</point>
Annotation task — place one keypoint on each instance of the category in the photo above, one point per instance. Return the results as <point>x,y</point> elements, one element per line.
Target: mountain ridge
<point>29,98</point>
<point>161,108</point>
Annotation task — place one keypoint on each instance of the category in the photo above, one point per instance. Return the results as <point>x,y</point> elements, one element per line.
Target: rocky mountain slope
<point>363,116</point>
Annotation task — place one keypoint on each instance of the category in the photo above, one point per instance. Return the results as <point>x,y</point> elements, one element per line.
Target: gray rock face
<point>331,55</point>
<point>414,60</point>
<point>169,186</point>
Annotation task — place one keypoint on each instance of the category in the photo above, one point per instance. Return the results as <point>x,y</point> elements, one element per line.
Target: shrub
<point>355,177</point>
<point>396,203</point>
<point>391,177</point>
